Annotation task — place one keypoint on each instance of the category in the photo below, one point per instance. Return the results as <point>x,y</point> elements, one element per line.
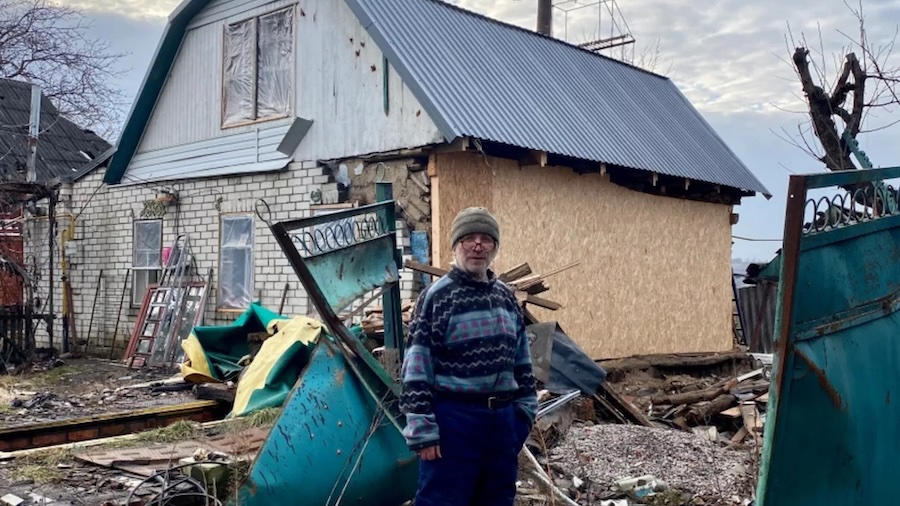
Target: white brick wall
<point>103,228</point>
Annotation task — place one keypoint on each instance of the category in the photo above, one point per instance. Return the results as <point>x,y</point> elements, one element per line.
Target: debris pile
<point>734,407</point>
<point>603,457</point>
<point>373,323</point>
<point>87,388</point>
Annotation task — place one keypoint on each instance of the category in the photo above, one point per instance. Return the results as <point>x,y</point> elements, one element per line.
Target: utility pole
<point>545,17</point>
<point>34,129</point>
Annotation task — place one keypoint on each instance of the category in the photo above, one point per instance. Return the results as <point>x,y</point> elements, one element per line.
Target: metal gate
<point>832,432</point>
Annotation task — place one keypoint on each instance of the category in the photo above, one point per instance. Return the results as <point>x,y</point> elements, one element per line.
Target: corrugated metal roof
<point>482,78</point>
<point>64,148</point>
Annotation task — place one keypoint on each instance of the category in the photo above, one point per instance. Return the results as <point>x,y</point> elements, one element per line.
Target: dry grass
<point>42,379</point>
<point>42,467</point>
<point>262,418</point>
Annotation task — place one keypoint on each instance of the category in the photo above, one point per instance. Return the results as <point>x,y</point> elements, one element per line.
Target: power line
<point>752,239</point>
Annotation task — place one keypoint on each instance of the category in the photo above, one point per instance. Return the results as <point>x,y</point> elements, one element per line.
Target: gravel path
<point>687,462</point>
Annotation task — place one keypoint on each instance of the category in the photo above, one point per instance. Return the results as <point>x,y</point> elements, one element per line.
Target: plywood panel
<point>655,271</point>
<point>464,180</point>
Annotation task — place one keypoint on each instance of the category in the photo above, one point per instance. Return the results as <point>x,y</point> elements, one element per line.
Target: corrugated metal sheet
<point>243,153</point>
<point>482,78</point>
<point>60,144</point>
<point>758,304</point>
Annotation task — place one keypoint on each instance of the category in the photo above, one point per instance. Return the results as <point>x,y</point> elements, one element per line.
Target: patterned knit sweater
<point>466,336</point>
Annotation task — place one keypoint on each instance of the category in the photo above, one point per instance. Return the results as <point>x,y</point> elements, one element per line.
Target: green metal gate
<point>832,432</point>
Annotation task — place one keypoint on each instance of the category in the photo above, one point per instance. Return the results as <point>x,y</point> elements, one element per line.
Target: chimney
<point>545,17</point>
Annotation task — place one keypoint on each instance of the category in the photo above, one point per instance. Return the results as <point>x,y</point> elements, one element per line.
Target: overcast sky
<point>728,57</point>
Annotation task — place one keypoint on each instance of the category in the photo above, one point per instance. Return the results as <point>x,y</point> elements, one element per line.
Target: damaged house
<point>66,152</point>
<point>307,103</point>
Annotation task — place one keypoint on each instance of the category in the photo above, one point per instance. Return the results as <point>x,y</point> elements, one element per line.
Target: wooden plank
<point>561,269</point>
<point>519,283</point>
<point>608,406</point>
<point>626,408</point>
<point>515,273</point>
<point>538,288</point>
<point>734,412</point>
<point>544,303</point>
<point>427,269</point>
<point>739,435</point>
<point>694,397</point>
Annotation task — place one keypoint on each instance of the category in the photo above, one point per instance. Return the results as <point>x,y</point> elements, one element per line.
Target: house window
<point>236,262</point>
<point>146,260</point>
<point>258,68</point>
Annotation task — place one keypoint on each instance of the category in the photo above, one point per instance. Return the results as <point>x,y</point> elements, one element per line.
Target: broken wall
<point>655,272</point>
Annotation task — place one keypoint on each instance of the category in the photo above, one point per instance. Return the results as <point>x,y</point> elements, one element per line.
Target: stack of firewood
<point>731,404</point>
<point>373,322</point>
<point>521,278</point>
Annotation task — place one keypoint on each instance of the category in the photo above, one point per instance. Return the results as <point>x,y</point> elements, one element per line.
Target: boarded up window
<point>258,68</point>
<point>236,262</point>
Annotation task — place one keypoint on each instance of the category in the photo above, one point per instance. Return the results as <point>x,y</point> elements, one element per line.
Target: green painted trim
<point>386,72</point>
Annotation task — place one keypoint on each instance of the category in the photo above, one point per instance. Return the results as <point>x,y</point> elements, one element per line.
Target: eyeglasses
<point>486,243</point>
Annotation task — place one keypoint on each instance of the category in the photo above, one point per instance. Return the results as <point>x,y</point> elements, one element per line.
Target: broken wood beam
<point>516,272</point>
<point>701,414</point>
<point>625,407</point>
<point>427,269</point>
<point>437,271</point>
<point>215,392</point>
<point>695,396</point>
<point>544,303</point>
<point>673,361</point>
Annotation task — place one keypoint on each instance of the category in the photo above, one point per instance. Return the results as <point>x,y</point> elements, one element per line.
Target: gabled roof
<point>489,80</point>
<point>64,149</point>
<point>481,78</point>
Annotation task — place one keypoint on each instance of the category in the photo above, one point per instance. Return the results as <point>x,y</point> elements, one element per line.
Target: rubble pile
<point>88,389</point>
<point>602,455</point>
<point>733,408</point>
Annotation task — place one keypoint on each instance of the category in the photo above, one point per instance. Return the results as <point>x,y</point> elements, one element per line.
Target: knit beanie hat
<point>473,220</point>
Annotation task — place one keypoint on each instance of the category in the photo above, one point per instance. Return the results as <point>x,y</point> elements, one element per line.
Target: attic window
<point>258,68</point>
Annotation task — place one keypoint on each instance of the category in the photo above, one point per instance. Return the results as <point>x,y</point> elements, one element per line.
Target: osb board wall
<point>463,181</point>
<point>655,271</point>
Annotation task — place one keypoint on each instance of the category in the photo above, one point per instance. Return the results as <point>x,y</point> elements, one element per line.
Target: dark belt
<point>490,401</point>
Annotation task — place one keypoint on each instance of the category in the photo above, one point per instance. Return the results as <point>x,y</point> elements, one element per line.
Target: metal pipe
<point>34,129</point>
<point>545,17</point>
<point>51,240</point>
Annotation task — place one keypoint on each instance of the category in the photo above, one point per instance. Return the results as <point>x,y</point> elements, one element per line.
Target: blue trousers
<point>479,463</point>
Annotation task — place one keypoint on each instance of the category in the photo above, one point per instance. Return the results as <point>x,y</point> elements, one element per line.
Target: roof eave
<point>151,88</point>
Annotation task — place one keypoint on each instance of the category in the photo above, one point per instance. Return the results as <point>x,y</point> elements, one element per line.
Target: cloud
<point>133,9</point>
<point>728,57</point>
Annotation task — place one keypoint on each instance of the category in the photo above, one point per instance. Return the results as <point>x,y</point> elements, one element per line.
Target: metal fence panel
<point>832,430</point>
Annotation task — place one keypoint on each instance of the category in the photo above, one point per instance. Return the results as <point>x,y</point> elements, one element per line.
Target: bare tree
<point>837,108</point>
<point>47,43</point>
<point>648,59</point>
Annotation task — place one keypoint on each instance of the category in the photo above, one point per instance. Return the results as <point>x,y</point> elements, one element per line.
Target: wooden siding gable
<point>358,104</point>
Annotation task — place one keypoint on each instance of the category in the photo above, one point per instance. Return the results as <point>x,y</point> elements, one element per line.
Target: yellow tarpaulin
<point>267,381</point>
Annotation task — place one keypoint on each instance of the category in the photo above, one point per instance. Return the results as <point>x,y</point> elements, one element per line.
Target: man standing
<point>468,388</point>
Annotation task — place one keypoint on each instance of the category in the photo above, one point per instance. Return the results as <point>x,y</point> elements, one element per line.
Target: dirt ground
<point>83,387</point>
<point>78,388</point>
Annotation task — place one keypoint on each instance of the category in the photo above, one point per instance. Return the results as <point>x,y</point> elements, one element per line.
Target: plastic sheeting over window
<point>240,39</point>
<point>236,250</point>
<point>258,64</point>
<point>147,244</point>
<point>274,64</point>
